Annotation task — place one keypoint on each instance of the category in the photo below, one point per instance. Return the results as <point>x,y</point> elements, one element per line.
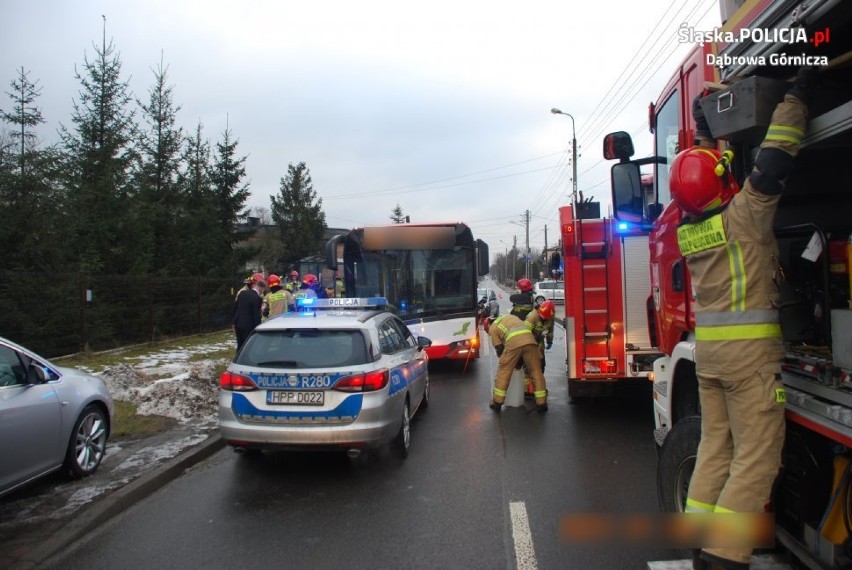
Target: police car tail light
<point>367,382</point>
<point>236,382</point>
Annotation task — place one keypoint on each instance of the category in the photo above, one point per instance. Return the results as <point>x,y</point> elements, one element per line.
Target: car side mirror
<point>423,342</point>
<point>37,375</point>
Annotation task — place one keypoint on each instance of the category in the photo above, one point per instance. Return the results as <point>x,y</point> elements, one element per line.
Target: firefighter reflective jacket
<point>511,332</point>
<point>542,329</point>
<point>732,257</point>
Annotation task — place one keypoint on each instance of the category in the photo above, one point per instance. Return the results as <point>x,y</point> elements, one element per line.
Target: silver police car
<point>340,374</point>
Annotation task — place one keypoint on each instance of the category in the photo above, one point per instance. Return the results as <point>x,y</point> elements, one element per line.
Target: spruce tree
<point>230,196</point>
<point>29,201</point>
<point>159,199</point>
<point>397,215</point>
<point>298,214</point>
<point>98,153</point>
<point>200,253</point>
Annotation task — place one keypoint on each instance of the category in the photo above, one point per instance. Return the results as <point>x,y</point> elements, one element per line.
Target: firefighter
<point>339,287</point>
<point>540,322</point>
<point>522,303</point>
<point>279,300</point>
<point>514,342</point>
<point>730,249</point>
<point>293,284</point>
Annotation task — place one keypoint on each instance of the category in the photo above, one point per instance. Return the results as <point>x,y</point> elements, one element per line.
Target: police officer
<point>522,303</point>
<point>514,342</point>
<point>732,256</point>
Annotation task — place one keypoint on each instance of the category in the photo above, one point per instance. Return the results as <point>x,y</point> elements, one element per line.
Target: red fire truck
<point>812,499</point>
<point>606,291</point>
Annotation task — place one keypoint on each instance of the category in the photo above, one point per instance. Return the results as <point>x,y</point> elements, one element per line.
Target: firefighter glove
<point>499,349</point>
<point>804,83</point>
<point>549,345</point>
<point>702,129</point>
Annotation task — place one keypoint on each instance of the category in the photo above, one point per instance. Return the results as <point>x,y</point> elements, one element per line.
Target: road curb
<point>116,502</point>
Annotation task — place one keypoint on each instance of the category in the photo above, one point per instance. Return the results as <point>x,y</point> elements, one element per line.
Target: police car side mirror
<point>423,342</point>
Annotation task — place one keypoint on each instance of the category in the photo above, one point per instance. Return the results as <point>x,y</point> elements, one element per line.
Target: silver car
<point>50,418</point>
<point>340,374</point>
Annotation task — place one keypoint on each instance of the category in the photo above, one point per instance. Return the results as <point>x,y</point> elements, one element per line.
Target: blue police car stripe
<point>346,412</point>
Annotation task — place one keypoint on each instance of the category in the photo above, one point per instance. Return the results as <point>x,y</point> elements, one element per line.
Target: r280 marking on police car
<point>296,381</point>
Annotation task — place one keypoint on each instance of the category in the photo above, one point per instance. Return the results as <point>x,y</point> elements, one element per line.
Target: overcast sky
<point>442,107</point>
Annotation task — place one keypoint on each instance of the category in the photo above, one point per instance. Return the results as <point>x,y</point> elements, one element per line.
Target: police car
<point>335,374</point>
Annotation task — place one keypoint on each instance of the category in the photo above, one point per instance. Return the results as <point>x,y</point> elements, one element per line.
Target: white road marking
<point>524,550</point>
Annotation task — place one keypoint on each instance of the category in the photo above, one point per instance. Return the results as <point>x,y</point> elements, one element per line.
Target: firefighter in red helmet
<point>515,343</point>
<point>522,303</point>
<point>730,249</point>
<point>540,322</point>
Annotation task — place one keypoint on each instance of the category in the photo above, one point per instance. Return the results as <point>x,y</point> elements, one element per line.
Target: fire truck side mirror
<point>618,145</point>
<point>628,197</point>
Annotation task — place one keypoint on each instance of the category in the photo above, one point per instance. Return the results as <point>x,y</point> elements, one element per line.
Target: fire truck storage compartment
<point>742,112</point>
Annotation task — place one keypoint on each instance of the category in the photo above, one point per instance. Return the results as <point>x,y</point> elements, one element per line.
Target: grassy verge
<point>100,360</point>
<point>126,422</point>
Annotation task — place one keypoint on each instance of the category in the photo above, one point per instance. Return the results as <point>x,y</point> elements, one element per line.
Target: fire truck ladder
<point>593,236</point>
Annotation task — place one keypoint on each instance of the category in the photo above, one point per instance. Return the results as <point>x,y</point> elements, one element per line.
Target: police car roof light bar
<point>338,303</point>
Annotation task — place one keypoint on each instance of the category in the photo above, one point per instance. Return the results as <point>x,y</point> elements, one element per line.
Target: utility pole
<point>527,257</point>
<point>546,262</point>
<point>514,256</point>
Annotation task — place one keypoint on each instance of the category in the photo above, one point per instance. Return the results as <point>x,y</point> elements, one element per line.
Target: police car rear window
<point>304,348</point>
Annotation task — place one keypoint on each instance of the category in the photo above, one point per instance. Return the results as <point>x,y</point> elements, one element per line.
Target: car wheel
<point>540,299</point>
<point>402,441</point>
<point>87,444</point>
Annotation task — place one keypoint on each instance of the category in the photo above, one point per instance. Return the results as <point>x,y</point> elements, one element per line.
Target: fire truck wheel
<point>676,463</point>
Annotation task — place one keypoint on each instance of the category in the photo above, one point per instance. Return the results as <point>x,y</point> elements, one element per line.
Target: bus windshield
<point>419,282</point>
<point>427,272</point>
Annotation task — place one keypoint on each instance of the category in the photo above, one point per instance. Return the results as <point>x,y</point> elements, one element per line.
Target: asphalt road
<point>478,490</point>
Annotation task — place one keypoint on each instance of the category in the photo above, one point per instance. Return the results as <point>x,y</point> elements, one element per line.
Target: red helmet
<point>274,280</point>
<point>546,310</point>
<point>525,285</point>
<point>694,184</point>
<point>294,273</point>
<point>310,279</point>
<point>255,278</point>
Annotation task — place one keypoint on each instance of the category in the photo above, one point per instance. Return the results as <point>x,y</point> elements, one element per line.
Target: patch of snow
<point>151,455</point>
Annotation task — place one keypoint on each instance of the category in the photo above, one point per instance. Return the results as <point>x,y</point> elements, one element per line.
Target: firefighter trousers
<point>529,354</point>
<point>742,434</point>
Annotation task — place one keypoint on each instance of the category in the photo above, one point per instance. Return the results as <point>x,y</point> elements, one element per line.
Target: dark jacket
<point>522,304</point>
<point>247,310</point>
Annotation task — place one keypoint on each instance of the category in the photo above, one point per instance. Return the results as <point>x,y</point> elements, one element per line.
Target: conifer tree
<point>29,204</point>
<point>98,153</point>
<point>397,215</point>
<point>159,199</point>
<point>230,194</point>
<point>298,214</point>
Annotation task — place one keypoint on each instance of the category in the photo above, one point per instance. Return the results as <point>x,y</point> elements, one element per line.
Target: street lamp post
<point>505,262</point>
<point>556,111</point>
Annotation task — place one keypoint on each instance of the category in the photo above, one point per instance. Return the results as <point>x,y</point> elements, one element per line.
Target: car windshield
<point>304,348</point>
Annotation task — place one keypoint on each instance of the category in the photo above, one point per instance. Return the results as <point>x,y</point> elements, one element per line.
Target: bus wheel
<point>676,464</point>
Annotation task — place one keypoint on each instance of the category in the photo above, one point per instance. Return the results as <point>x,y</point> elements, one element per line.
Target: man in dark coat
<point>247,310</point>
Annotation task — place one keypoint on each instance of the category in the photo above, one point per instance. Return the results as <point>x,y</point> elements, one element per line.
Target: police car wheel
<point>402,441</point>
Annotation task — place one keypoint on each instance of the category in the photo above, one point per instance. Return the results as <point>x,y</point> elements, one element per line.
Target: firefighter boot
<point>496,406</point>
